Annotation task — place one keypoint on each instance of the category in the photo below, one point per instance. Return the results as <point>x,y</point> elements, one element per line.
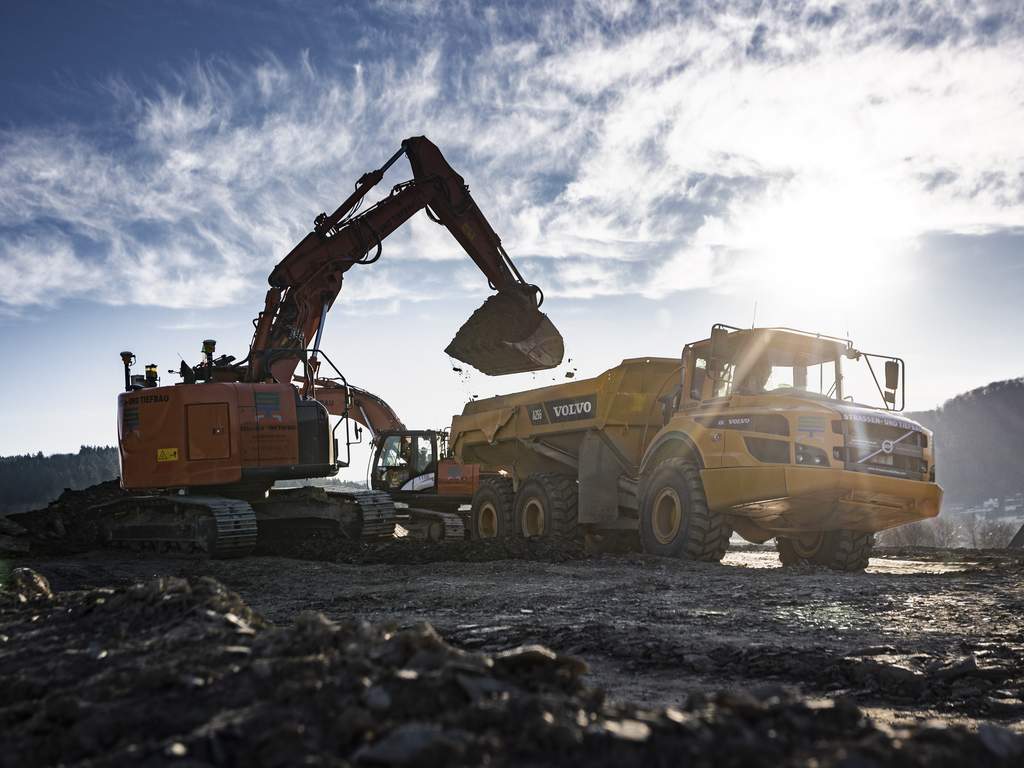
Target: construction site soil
<point>327,653</point>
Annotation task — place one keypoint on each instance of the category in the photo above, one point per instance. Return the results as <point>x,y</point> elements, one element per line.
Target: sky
<point>847,168</point>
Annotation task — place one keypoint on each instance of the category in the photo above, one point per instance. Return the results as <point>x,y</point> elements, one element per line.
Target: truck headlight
<point>809,455</point>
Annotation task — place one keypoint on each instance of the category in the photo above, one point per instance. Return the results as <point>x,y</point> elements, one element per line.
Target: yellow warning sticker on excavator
<point>166,454</point>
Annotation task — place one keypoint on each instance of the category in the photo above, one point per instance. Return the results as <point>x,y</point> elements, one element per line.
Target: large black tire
<point>492,514</point>
<point>674,517</point>
<point>546,505</point>
<point>838,550</point>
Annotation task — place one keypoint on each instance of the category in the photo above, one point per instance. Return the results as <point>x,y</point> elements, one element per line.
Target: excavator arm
<point>359,405</point>
<point>508,334</point>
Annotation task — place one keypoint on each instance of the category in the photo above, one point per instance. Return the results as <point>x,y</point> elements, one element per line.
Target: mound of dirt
<point>182,671</point>
<point>63,527</point>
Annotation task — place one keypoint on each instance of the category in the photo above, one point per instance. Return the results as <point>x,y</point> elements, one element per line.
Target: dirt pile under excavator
<point>64,526</point>
<point>183,670</point>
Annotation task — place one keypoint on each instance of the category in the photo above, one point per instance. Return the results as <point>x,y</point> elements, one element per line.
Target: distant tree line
<point>979,442</point>
<point>947,531</point>
<point>33,480</point>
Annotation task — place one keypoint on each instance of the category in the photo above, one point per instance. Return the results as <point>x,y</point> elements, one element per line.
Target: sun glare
<point>812,238</point>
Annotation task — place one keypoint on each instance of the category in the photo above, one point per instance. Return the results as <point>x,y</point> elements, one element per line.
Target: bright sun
<point>818,242</point>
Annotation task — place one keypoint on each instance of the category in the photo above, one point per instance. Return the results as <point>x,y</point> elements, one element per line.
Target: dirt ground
<point>923,634</point>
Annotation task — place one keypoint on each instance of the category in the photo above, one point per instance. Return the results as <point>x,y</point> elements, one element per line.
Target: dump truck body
<point>525,432</point>
<point>779,462</point>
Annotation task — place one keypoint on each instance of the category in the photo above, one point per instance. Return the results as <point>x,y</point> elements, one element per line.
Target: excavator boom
<point>508,334</point>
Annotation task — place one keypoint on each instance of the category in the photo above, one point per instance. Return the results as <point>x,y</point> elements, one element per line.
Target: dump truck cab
<point>784,450</point>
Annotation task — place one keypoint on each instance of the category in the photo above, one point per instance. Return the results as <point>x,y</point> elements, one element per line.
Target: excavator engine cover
<point>508,334</point>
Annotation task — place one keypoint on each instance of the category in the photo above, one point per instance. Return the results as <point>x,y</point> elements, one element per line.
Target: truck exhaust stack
<point>508,334</point>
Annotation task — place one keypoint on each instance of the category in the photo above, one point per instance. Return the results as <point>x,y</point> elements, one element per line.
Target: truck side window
<point>700,374</point>
<point>723,383</point>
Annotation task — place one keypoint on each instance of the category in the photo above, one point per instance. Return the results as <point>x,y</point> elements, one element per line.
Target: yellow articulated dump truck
<point>755,431</point>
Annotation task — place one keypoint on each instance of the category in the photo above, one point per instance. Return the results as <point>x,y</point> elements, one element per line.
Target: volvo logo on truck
<point>568,409</point>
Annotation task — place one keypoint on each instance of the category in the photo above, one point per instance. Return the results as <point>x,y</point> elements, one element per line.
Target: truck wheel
<point>674,517</point>
<point>546,506</point>
<point>491,510</point>
<point>838,550</point>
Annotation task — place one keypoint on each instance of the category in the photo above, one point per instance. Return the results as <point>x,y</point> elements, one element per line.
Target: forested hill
<point>979,438</point>
<point>32,480</point>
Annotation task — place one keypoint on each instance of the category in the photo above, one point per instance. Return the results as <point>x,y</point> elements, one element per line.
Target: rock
<point>874,650</point>
<point>964,667</point>
<point>30,585</point>
<point>479,687</point>
<point>630,730</point>
<point>420,744</point>
<point>10,545</point>
<point>699,662</point>
<point>11,528</point>
<point>377,699</point>
<point>541,662</point>
<point>1001,742</point>
<point>889,677</point>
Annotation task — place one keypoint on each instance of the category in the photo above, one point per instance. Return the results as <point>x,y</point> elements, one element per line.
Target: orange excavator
<point>200,458</point>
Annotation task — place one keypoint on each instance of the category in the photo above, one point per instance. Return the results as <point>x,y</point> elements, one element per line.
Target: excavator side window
<point>393,467</point>
<point>391,454</point>
<point>424,459</point>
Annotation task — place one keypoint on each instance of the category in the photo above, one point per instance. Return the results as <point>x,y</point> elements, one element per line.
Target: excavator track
<point>290,515</point>
<point>208,525</point>
<point>376,513</point>
<point>431,525</point>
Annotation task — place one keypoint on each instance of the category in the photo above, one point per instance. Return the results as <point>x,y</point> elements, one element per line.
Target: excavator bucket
<point>508,334</point>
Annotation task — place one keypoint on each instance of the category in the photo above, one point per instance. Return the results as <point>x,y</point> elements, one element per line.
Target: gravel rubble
<point>181,671</point>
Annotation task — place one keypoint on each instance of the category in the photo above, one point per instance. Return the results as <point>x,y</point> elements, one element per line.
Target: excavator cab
<point>406,462</point>
<point>413,465</point>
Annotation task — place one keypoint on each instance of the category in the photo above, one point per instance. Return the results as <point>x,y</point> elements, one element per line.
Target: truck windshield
<point>850,380</point>
<point>779,362</point>
<point>764,377</point>
<point>770,373</point>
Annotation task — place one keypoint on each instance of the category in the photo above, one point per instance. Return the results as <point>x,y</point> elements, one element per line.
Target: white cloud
<point>654,154</point>
<point>43,271</point>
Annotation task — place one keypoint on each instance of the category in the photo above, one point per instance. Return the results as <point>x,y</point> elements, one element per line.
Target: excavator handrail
<point>344,416</point>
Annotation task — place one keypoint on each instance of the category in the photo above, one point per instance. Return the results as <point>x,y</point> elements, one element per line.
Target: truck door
<point>701,403</point>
